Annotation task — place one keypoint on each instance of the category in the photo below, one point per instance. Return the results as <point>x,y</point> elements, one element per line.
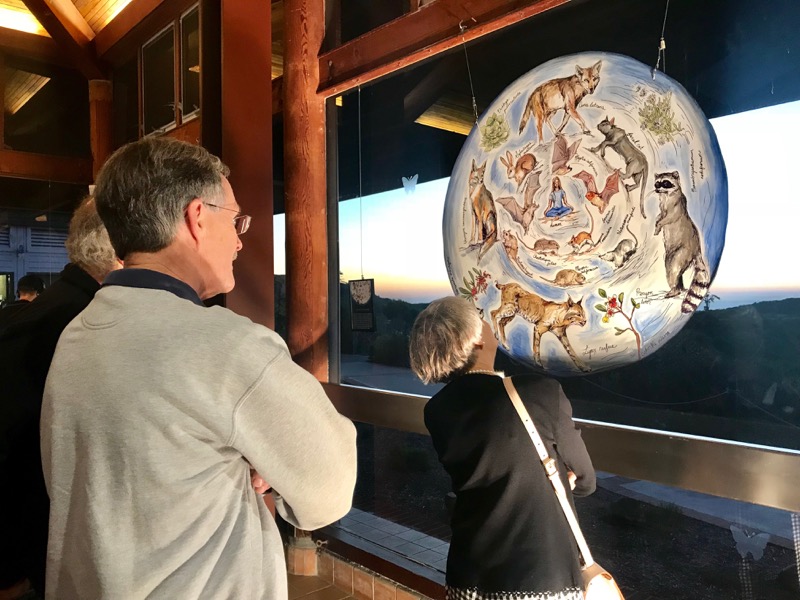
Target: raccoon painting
<point>681,242</point>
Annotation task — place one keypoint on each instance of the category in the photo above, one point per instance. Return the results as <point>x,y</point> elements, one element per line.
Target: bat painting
<point>600,199</point>
<point>523,214</point>
<point>562,154</point>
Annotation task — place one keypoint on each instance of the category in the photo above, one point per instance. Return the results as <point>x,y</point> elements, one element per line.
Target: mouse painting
<point>595,222</point>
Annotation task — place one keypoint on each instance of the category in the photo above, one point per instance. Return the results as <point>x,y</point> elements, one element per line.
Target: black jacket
<point>27,345</point>
<point>509,532</point>
<point>9,310</point>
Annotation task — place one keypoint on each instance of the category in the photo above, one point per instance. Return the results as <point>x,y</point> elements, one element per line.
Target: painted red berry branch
<point>477,284</point>
<point>612,307</point>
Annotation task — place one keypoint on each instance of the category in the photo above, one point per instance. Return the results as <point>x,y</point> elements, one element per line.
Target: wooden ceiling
<point>98,13</point>
<point>14,14</point>
<point>21,87</point>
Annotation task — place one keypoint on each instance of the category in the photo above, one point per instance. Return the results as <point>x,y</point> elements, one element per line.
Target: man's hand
<point>262,487</point>
<point>259,485</point>
<point>572,479</point>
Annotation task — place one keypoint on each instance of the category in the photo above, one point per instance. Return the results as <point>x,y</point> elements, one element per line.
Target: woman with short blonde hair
<point>510,540</point>
<point>443,339</point>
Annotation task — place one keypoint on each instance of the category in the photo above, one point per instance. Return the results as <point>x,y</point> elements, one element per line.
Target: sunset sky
<point>398,236</point>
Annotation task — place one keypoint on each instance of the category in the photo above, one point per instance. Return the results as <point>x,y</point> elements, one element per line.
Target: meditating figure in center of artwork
<point>557,206</point>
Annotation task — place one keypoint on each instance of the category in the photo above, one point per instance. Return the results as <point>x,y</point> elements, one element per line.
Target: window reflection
<point>659,541</point>
<point>158,81</point>
<point>126,102</point>
<point>190,63</point>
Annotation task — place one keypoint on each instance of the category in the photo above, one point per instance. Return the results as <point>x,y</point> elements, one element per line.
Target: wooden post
<point>100,126</point>
<point>2,100</point>
<point>247,149</point>
<point>305,187</point>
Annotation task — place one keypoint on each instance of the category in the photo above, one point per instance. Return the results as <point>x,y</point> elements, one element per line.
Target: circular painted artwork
<point>586,213</point>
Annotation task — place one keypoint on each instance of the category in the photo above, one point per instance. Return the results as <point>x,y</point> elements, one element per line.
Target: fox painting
<point>484,214</point>
<point>561,94</point>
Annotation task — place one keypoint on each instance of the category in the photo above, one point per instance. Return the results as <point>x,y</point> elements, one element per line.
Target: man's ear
<point>194,217</point>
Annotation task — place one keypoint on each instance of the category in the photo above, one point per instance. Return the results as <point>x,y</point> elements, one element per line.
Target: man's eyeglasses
<point>240,222</point>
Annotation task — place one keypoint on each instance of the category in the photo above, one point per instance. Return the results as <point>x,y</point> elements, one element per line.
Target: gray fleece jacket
<point>154,410</point>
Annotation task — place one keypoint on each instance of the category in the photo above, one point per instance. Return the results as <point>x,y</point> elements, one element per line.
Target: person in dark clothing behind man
<point>510,537</point>
<point>26,349</point>
<point>28,288</point>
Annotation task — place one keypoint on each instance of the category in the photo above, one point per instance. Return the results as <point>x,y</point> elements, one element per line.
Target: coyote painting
<point>561,94</point>
<point>545,316</point>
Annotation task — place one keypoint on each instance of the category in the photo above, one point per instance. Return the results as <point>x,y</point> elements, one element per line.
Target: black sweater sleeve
<point>572,449</point>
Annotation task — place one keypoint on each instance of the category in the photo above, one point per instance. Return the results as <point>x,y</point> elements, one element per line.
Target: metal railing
<point>746,472</point>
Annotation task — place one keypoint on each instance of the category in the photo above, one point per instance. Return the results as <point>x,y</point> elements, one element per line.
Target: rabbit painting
<point>519,170</point>
<point>522,173</point>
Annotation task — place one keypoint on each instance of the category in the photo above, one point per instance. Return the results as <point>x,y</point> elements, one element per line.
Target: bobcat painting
<point>545,316</point>
<point>564,94</point>
<point>484,214</point>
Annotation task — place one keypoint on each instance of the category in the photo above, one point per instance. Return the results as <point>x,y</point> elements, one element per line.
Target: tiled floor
<point>314,588</point>
<point>405,541</point>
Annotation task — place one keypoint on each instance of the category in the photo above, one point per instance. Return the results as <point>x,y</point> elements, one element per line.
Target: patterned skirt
<point>453,593</point>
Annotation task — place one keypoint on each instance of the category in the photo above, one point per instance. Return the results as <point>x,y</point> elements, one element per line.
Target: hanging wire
<point>633,398</point>
<point>463,28</point>
<point>662,46</point>
<point>360,213</point>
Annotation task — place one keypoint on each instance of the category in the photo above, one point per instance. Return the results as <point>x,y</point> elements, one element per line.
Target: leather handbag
<point>598,584</point>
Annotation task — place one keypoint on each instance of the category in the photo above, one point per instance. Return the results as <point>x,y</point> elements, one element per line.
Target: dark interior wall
<point>56,119</point>
<point>730,55</point>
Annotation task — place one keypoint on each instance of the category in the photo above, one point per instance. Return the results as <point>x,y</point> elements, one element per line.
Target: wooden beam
<point>2,99</point>
<point>121,25</point>
<point>277,95</point>
<point>134,24</point>
<point>44,167</point>
<point>70,31</point>
<point>305,188</point>
<point>188,131</point>
<point>419,36</point>
<point>30,45</point>
<point>100,125</point>
<point>431,87</point>
<point>247,150</point>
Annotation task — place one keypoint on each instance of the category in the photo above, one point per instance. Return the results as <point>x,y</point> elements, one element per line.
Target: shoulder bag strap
<point>551,469</point>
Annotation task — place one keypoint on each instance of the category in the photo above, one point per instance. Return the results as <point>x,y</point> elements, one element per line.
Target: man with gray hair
<point>157,408</point>
<point>26,349</point>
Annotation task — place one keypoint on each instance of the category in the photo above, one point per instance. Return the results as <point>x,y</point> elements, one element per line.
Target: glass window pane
<point>126,102</point>
<point>33,228</point>
<point>658,541</point>
<point>158,82</point>
<point>46,109</point>
<point>190,62</point>
<point>730,373</point>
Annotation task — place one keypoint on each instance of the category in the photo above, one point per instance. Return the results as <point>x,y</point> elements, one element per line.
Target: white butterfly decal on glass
<point>410,183</point>
<point>749,542</point>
